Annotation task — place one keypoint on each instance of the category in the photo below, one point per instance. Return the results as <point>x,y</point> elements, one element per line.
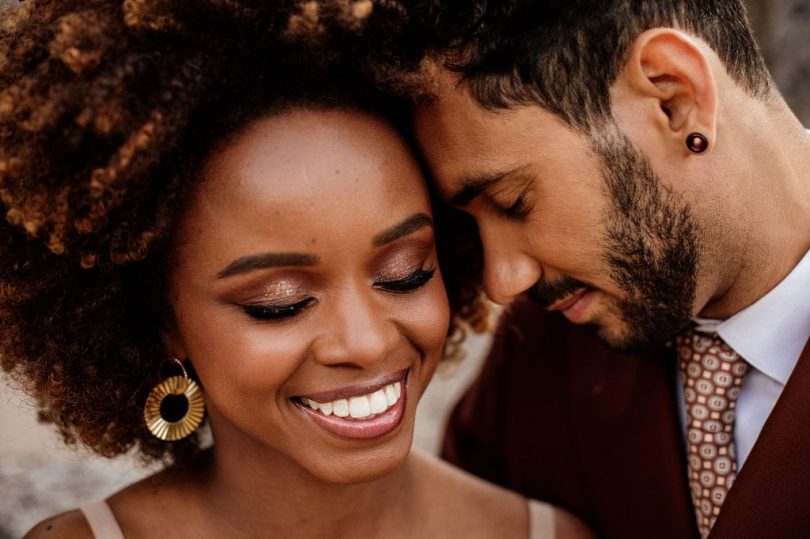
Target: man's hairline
<point>428,97</point>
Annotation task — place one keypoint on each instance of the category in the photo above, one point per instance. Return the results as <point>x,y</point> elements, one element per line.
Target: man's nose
<point>508,271</point>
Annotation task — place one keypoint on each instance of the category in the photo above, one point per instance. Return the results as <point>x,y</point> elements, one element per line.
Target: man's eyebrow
<point>403,228</point>
<point>267,260</point>
<point>471,187</point>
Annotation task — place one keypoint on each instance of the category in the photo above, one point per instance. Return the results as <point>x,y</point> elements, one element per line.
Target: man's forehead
<point>454,112</point>
<point>463,140</point>
<point>451,94</point>
<point>465,159</point>
<point>457,150</point>
<point>453,125</point>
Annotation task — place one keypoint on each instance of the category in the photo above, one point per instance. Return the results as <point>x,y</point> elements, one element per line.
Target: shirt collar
<point>771,333</point>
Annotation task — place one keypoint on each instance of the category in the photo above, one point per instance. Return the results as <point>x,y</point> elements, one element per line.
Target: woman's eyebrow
<point>267,260</point>
<point>403,228</point>
<point>271,260</point>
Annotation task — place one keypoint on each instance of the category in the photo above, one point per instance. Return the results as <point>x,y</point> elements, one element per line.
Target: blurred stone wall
<point>782,28</point>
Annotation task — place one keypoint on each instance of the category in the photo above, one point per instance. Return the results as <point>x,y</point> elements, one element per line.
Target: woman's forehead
<point>317,176</point>
<point>307,152</point>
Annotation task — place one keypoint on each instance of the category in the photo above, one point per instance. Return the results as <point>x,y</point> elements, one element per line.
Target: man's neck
<point>771,227</point>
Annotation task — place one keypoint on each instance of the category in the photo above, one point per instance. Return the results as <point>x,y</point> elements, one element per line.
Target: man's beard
<point>650,246</point>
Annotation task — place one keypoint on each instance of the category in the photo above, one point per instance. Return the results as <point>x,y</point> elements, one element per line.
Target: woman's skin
<point>305,267</point>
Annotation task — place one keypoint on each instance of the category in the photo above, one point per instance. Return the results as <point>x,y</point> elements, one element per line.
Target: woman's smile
<point>360,412</point>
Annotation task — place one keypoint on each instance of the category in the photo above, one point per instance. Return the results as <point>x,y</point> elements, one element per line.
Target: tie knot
<point>706,360</point>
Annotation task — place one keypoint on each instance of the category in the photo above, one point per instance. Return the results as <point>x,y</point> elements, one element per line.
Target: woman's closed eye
<point>413,281</point>
<point>277,312</point>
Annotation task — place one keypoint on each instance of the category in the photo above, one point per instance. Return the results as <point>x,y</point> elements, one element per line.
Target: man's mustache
<point>547,294</point>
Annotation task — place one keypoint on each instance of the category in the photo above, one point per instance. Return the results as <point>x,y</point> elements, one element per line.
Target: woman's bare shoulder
<point>128,506</point>
<point>477,508</point>
<point>69,525</point>
<point>458,497</point>
<point>452,480</point>
<point>150,506</point>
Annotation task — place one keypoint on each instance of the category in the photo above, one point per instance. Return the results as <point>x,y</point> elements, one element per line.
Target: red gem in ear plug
<point>697,143</point>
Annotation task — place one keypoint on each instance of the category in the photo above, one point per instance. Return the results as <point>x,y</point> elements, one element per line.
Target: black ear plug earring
<point>697,143</point>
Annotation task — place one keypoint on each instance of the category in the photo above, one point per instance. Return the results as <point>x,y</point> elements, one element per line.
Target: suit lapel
<point>632,449</point>
<point>771,497</point>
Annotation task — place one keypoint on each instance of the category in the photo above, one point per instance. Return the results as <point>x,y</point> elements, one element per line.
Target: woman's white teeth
<point>360,407</point>
<point>340,407</point>
<point>390,395</point>
<point>377,402</point>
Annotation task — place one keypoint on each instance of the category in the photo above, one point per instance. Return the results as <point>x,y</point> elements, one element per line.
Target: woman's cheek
<point>248,355</point>
<point>430,318</point>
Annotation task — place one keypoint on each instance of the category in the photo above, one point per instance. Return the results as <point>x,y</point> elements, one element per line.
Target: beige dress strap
<point>541,520</point>
<point>101,520</point>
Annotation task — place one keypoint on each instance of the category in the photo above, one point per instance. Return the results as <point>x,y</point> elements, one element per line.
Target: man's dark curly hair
<point>107,110</point>
<point>565,55</point>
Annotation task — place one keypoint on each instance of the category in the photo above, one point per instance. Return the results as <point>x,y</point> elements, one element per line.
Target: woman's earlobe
<point>172,345</point>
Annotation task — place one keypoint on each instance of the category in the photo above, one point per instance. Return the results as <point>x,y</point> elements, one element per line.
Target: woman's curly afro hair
<point>107,109</point>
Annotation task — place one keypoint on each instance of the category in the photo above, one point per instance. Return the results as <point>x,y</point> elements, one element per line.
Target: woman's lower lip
<point>577,311</point>
<point>361,429</point>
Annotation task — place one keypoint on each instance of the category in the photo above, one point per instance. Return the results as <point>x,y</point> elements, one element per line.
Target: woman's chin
<point>362,466</point>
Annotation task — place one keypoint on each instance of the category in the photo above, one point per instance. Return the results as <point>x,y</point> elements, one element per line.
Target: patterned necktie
<point>712,374</point>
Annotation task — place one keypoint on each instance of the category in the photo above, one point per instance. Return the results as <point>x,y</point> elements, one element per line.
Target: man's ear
<point>668,70</point>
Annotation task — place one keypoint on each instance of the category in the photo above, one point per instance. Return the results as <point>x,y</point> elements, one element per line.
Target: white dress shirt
<point>770,335</point>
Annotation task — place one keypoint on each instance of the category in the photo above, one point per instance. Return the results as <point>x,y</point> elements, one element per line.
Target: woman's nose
<point>358,331</point>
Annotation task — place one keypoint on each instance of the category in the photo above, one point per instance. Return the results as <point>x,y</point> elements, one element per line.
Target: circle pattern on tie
<point>712,375</point>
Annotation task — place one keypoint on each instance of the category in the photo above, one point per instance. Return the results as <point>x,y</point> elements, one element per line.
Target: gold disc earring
<point>174,407</point>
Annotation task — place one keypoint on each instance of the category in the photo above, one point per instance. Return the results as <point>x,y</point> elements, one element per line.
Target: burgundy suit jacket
<point>560,417</point>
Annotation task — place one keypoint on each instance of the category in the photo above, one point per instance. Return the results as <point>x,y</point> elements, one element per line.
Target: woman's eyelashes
<point>409,283</point>
<point>277,312</point>
<point>417,279</point>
